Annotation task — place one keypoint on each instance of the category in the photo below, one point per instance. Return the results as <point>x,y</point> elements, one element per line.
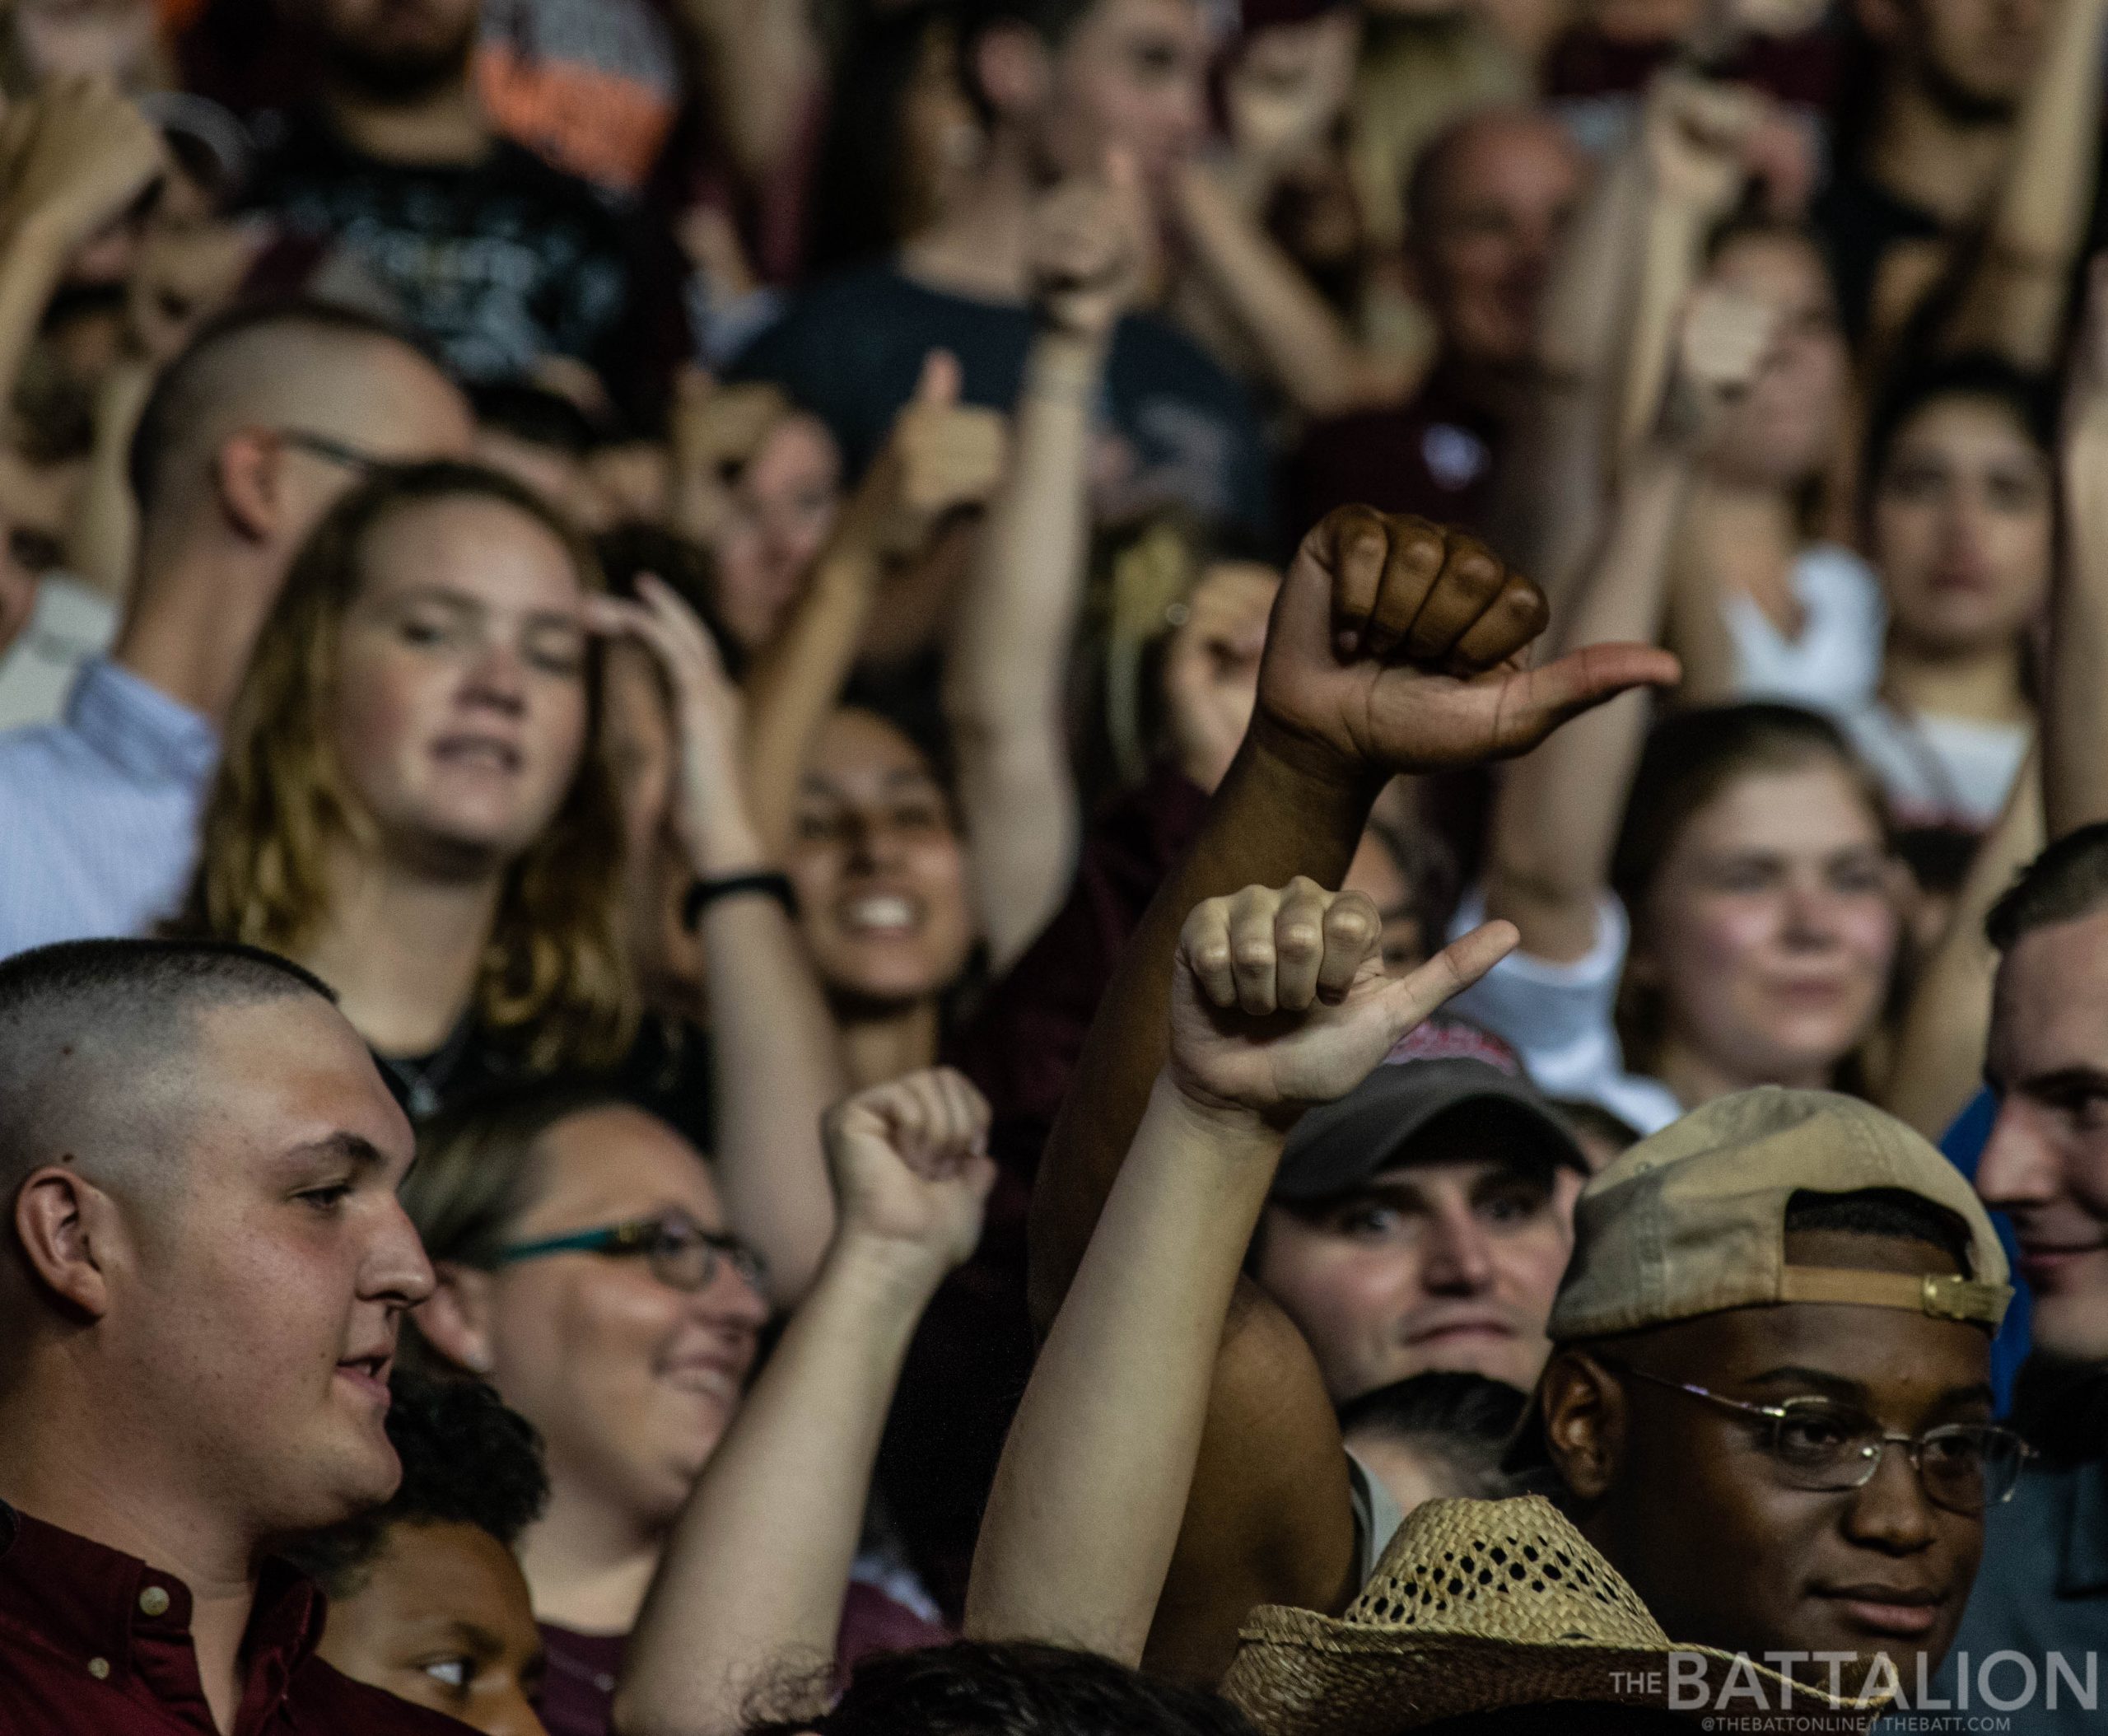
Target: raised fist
<point>910,1166</point>
<point>1279,999</point>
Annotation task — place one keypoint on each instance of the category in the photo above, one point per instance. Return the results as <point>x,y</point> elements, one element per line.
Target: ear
<point>456,1317</point>
<point>1012,69</point>
<point>250,482</point>
<point>1585,1421</point>
<point>65,1224</point>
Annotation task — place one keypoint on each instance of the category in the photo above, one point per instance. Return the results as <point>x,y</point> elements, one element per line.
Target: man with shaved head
<point>1488,200</point>
<point>250,434</point>
<point>203,1268</point>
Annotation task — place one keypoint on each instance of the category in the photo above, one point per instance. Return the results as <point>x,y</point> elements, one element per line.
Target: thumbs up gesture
<point>941,457</point>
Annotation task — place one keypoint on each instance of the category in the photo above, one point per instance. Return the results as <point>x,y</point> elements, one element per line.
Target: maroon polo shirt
<point>93,1643</point>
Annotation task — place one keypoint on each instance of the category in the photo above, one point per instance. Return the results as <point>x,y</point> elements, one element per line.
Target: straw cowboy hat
<point>1482,1605</point>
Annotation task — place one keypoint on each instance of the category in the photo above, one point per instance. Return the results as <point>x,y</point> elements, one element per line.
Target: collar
<point>2083,1572</point>
<point>143,731</point>
<point>95,1601</point>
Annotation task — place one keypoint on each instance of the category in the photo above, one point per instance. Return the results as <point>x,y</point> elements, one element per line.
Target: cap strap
<point>1943,1296</point>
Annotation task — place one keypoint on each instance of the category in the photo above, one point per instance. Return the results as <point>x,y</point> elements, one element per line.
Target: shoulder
<point>329,1703</point>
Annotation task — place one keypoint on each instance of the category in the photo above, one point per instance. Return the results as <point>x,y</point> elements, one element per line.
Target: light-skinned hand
<point>911,1167</point>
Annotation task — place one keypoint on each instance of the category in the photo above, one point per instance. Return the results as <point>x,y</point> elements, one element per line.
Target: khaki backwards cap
<point>1692,1221</point>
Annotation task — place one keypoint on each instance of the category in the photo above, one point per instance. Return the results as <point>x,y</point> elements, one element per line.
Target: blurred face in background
<point>1963,527</point>
<point>1500,198</point>
<point>630,1381</point>
<point>879,866</point>
<point>459,714</point>
<point>1972,58</point>
<point>1770,927</point>
<point>1782,431</point>
<point>402,49</point>
<point>1132,73</point>
<point>783,505</point>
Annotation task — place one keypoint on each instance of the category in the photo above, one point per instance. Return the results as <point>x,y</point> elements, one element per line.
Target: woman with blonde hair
<point>413,802</point>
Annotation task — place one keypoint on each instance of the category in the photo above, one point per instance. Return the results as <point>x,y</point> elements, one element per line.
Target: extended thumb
<point>1411,999</point>
<point>1538,701</point>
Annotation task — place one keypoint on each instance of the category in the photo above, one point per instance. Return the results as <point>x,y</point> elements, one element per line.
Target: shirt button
<point>99,1668</point>
<point>154,1601</point>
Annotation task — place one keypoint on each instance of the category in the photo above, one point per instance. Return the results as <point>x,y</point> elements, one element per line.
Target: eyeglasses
<point>332,451</point>
<point>1819,1444</point>
<point>683,1255</point>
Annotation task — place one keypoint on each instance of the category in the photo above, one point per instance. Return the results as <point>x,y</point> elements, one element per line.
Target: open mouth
<point>478,753</point>
<point>880,915</point>
<point>369,1373</point>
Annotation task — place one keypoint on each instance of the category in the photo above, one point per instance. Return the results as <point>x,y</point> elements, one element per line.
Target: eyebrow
<point>354,1149</point>
<point>2060,1081</point>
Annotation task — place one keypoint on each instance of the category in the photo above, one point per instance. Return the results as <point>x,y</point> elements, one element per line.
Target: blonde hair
<point>554,970</point>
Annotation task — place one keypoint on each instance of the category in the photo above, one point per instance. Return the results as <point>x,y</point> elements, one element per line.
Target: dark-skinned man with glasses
<point>1685,1497</point>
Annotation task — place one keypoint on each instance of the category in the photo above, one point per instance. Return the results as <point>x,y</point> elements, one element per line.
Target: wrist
<point>1234,1133</point>
<point>893,1277</point>
<point>39,236</point>
<point>1066,363</point>
<point>1282,753</point>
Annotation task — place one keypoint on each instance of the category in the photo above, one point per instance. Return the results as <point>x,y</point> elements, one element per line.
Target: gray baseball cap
<point>1441,1066</point>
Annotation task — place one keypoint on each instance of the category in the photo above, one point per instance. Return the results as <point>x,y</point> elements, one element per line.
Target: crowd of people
<point>1053,867</point>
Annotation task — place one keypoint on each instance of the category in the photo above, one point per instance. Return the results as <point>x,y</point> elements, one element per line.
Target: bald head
<point>1489,198</point>
<point>98,1042</point>
<point>302,365</point>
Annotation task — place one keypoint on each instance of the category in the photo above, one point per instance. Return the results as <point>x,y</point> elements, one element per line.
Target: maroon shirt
<point>93,1643</point>
<point>1433,455</point>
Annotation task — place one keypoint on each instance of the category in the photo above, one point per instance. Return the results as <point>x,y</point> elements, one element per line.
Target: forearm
<point>775,1067</point>
<point>2013,301</point>
<point>1555,816</point>
<point>2075,710</point>
<point>761,61</point>
<point>1278,814</point>
<point>1088,1503</point>
<point>103,536</point>
<point>32,261</point>
<point>1939,1049</point>
<point>1305,345</point>
<point>1669,263</point>
<point>795,686</point>
<point>752,1580</point>
<point>1008,651</point>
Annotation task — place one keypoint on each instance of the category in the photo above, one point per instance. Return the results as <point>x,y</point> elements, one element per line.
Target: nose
<point>1457,1254</point>
<point>2020,1165</point>
<point>497,678</point>
<point>396,1270</point>
<point>1811,911</point>
<point>873,843</point>
<point>731,1299</point>
<point>1890,1512</point>
<point>513,1715</point>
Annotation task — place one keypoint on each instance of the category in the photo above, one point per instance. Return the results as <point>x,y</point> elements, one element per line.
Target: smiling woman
<point>413,801</point>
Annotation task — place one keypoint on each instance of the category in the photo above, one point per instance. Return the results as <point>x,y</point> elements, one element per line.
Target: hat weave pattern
<point>1476,1606</point>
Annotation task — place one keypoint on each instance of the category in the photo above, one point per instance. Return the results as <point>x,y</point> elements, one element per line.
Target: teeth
<point>884,911</point>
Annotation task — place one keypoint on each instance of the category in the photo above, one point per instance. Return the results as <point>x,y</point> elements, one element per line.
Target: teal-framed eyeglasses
<point>1828,1447</point>
<point>682,1254</point>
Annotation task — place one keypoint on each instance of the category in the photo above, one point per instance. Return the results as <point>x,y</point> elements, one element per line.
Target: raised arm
<point>1007,655</point>
<point>751,1588</point>
<point>941,455</point>
<point>73,159</point>
<point>774,1062</point>
<point>2075,706</point>
<point>1279,1001</point>
<point>1394,646</point>
<point>2013,298</point>
<point>1557,815</point>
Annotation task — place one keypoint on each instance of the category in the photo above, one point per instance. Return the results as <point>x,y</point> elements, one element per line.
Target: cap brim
<point>1339,1147</point>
